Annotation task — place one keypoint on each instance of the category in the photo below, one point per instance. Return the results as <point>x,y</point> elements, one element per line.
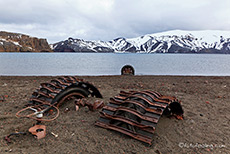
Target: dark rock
<point>15,42</point>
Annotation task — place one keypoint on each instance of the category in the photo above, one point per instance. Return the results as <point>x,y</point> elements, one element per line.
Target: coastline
<point>205,100</point>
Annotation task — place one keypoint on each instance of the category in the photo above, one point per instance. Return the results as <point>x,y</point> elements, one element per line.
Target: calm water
<point>29,64</point>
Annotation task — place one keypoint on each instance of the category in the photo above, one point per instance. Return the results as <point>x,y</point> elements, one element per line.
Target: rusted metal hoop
<point>38,119</point>
<point>68,96</point>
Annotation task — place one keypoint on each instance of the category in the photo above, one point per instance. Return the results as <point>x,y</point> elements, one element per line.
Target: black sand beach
<point>204,129</point>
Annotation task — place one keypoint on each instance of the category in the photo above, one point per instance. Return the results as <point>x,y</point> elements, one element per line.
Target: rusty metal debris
<point>46,100</point>
<point>39,131</point>
<point>98,104</point>
<point>136,113</point>
<point>127,70</point>
<point>37,112</point>
<point>51,95</point>
<point>7,138</point>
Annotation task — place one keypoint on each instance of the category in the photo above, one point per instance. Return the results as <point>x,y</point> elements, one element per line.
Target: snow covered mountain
<point>176,41</point>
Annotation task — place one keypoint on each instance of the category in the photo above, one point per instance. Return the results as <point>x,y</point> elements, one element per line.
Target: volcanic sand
<point>204,129</point>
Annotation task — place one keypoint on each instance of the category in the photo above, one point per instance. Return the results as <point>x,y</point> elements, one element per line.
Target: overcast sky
<point>105,20</point>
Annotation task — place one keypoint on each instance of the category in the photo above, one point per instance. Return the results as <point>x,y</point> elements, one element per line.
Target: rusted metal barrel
<point>127,70</point>
<point>136,113</point>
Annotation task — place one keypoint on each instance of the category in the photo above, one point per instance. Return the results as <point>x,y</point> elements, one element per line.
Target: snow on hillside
<point>209,36</point>
<point>175,41</point>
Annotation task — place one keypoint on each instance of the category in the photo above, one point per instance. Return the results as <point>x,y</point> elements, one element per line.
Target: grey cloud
<point>57,20</point>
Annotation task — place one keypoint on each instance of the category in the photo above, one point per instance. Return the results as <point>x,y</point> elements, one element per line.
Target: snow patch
<point>4,40</point>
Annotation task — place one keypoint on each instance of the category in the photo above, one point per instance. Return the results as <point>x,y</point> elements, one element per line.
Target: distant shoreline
<point>82,76</point>
<point>120,53</point>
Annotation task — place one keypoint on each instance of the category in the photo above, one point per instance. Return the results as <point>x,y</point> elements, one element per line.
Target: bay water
<point>52,64</point>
